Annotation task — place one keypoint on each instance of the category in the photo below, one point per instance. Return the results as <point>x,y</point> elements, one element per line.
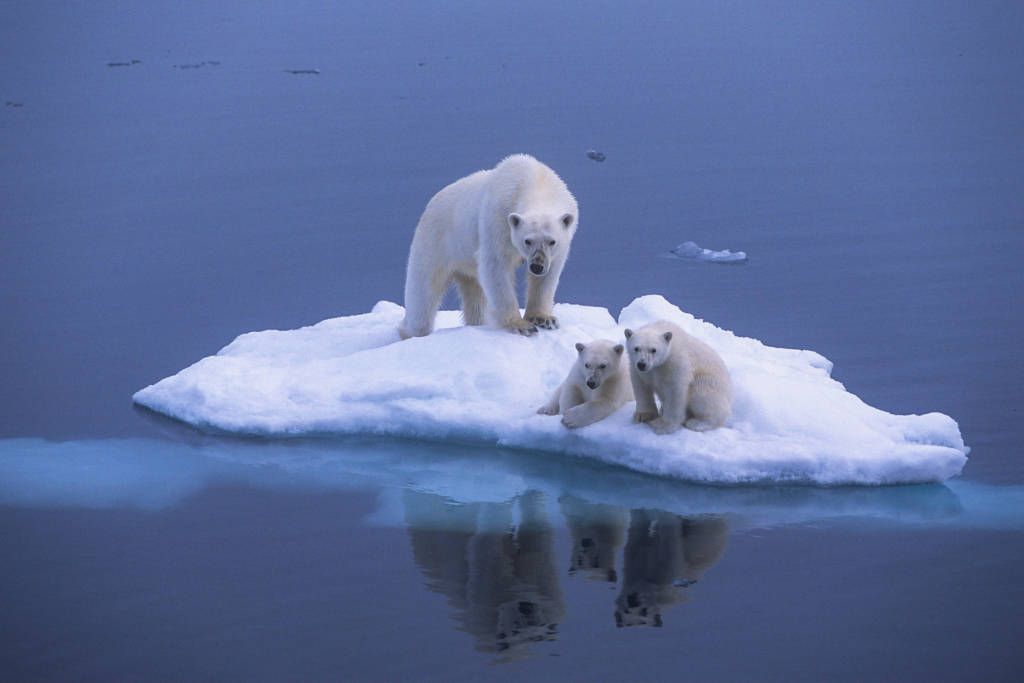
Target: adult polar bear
<point>477,232</point>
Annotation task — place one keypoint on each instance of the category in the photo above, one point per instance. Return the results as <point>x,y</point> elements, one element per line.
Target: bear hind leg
<point>423,295</point>
<point>474,302</point>
<point>708,406</point>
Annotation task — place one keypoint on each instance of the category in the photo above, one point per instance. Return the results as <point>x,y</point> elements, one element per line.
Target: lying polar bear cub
<point>686,375</point>
<point>597,385</point>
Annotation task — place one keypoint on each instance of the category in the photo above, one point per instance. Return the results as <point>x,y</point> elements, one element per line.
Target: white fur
<point>477,232</point>
<point>597,385</point>
<point>686,375</point>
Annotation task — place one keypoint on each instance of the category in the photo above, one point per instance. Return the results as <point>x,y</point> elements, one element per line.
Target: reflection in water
<point>499,576</point>
<point>597,532</point>
<point>664,554</point>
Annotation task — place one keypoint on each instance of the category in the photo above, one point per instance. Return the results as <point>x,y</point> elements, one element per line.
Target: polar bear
<point>686,375</point>
<point>477,232</point>
<point>597,385</point>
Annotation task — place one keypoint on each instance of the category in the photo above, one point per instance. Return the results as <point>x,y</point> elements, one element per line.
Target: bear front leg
<point>673,411</point>
<point>551,407</point>
<point>540,298</point>
<point>646,408</point>
<point>587,413</point>
<point>497,279</point>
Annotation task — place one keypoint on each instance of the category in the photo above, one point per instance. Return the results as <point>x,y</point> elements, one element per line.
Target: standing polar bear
<point>597,385</point>
<point>477,232</point>
<point>686,374</point>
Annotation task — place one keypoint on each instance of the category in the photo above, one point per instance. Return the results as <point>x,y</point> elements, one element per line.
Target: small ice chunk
<point>595,155</point>
<point>314,72</point>
<point>691,250</point>
<point>683,583</point>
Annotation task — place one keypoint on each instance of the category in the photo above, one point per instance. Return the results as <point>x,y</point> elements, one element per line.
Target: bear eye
<point>529,243</point>
<point>551,243</point>
<point>586,365</point>
<point>653,350</point>
<point>602,366</point>
<point>637,349</point>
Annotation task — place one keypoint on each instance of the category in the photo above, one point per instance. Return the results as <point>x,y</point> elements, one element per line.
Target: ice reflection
<point>156,474</point>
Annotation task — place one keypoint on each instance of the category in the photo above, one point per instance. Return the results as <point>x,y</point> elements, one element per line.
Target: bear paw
<point>641,416</point>
<point>544,322</point>
<point>662,426</point>
<point>575,418</point>
<point>523,327</point>
<point>547,410</point>
<point>699,425</point>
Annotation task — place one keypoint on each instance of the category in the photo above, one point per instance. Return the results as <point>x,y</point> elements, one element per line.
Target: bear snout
<point>536,268</point>
<point>641,366</point>
<point>592,384</point>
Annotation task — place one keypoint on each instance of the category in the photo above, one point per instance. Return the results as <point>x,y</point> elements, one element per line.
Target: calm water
<point>868,159</point>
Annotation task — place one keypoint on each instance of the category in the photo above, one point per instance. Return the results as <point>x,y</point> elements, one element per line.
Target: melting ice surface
<point>691,250</point>
<point>791,421</point>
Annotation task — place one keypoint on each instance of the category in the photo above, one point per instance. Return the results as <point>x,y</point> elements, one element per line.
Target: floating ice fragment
<point>691,250</point>
<point>595,155</point>
<point>791,422</point>
<point>315,72</point>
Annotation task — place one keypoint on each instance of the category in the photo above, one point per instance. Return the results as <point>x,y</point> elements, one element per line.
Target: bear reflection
<point>500,577</point>
<point>664,554</point>
<point>597,533</point>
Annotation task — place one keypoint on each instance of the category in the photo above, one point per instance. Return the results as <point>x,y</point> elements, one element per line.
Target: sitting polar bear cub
<point>595,388</point>
<point>686,374</point>
<point>477,231</point>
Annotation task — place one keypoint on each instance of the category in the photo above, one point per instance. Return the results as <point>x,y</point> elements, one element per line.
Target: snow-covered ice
<point>791,421</point>
<point>691,250</point>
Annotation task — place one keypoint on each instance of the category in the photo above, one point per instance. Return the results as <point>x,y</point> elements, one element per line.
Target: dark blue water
<point>867,158</point>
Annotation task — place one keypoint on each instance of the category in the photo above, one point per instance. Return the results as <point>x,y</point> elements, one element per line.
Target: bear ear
<point>515,220</point>
<point>618,349</point>
<point>580,347</point>
<point>567,220</point>
<point>667,336</point>
<point>629,333</point>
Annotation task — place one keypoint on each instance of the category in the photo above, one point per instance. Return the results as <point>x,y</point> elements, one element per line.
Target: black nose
<point>641,366</point>
<point>536,268</point>
<point>592,384</point>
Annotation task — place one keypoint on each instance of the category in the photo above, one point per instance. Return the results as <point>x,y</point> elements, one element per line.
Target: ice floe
<point>691,250</point>
<point>351,375</point>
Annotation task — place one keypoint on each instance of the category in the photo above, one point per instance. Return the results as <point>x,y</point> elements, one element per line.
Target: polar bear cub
<point>686,375</point>
<point>477,232</point>
<point>597,385</point>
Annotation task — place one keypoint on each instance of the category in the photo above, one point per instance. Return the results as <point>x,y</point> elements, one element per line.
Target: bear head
<point>648,347</point>
<point>598,361</point>
<point>541,239</point>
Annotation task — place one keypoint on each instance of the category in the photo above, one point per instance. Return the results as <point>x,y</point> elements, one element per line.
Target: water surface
<point>866,158</point>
